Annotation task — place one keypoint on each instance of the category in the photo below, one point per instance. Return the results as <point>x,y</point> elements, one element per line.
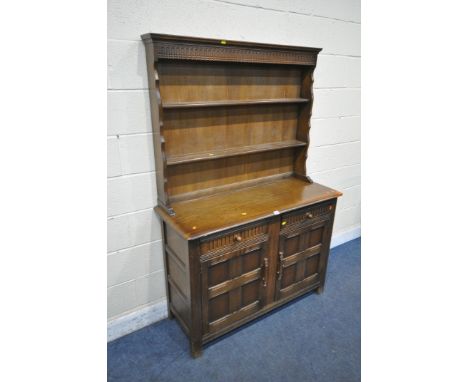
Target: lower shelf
<point>232,151</point>
<point>197,104</point>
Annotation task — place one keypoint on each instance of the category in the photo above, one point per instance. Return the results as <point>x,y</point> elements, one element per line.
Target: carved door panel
<point>302,258</point>
<point>234,284</point>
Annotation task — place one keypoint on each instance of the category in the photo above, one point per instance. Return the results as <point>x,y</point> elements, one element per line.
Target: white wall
<point>136,289</point>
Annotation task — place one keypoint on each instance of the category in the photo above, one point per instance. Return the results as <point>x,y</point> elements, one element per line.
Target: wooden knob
<point>309,215</point>
<point>238,238</point>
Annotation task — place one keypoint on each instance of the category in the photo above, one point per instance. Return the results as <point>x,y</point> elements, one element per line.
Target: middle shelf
<point>232,151</point>
<point>196,104</point>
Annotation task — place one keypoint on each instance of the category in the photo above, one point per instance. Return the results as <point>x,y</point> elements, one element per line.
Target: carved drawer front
<point>301,257</point>
<point>234,284</point>
<point>234,238</point>
<point>307,215</point>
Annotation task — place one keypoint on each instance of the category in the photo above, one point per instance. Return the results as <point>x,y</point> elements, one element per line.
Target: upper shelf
<point>177,105</point>
<point>233,151</point>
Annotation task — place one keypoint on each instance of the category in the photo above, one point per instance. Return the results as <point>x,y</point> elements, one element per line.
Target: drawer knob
<point>238,238</point>
<point>309,215</point>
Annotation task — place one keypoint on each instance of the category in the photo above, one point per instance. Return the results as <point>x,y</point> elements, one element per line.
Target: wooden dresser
<point>245,229</point>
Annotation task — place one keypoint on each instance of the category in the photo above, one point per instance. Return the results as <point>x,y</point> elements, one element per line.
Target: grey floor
<point>315,338</point>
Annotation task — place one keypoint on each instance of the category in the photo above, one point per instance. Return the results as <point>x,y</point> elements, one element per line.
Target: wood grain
<point>185,105</point>
<point>232,151</point>
<point>207,175</point>
<point>199,130</point>
<point>245,230</point>
<point>204,216</point>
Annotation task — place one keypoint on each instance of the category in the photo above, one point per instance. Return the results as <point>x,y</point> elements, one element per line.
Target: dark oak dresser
<point>245,229</point>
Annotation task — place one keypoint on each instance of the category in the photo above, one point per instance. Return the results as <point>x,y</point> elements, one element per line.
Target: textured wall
<point>135,266</point>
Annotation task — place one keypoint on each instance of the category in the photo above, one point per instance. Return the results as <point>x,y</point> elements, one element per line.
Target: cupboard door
<point>234,284</point>
<point>302,257</point>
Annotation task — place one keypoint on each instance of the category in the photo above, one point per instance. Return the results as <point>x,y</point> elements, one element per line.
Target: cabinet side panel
<point>178,276</point>
<point>303,124</point>
<point>178,245</point>
<point>326,250</point>
<point>158,126</point>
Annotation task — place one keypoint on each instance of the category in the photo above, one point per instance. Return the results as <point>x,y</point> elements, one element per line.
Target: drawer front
<point>232,239</point>
<point>307,214</point>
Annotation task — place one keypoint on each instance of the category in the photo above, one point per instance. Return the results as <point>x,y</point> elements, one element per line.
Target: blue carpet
<point>315,338</point>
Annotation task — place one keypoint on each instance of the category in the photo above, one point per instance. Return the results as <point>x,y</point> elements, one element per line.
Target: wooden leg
<point>320,289</point>
<point>170,315</point>
<point>196,349</point>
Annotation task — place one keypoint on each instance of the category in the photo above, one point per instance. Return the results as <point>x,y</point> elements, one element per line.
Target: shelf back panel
<point>186,81</point>
<point>209,175</point>
<point>205,129</point>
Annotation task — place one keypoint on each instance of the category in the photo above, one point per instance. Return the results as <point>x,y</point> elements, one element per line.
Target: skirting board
<point>342,237</point>
<point>150,314</point>
<point>138,319</point>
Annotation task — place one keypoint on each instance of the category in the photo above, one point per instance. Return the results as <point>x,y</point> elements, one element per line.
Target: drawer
<point>307,214</point>
<point>234,238</point>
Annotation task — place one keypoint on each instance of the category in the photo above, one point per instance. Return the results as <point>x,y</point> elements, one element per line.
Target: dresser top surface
<point>203,216</point>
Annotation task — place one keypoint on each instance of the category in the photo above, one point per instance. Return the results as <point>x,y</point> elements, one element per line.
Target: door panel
<point>233,284</point>
<point>301,256</point>
<point>314,237</point>
<point>291,245</point>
